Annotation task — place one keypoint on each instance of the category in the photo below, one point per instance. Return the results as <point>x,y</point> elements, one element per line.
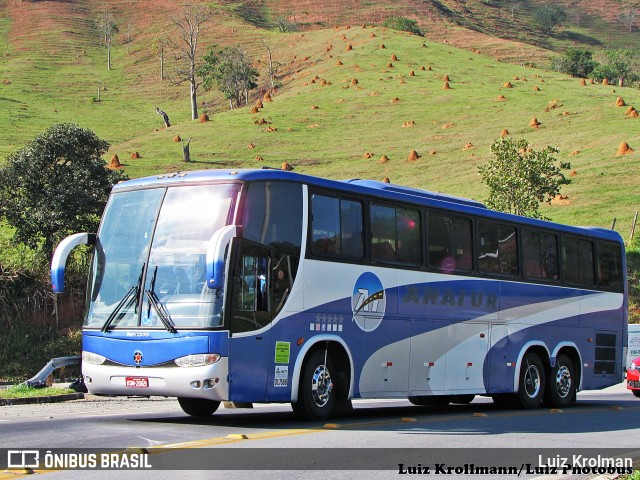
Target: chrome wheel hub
<point>321,386</point>
<point>563,381</point>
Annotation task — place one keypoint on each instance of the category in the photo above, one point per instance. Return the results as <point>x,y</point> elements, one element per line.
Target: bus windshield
<point>149,262</point>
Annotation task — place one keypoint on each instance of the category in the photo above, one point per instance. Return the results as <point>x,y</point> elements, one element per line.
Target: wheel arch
<point>534,346</point>
<point>571,350</point>
<point>341,355</point>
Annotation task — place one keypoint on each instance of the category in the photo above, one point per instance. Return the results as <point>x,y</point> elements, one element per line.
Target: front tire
<point>198,407</point>
<point>531,384</point>
<point>561,384</point>
<point>316,393</point>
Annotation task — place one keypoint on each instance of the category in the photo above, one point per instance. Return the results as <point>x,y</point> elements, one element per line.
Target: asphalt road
<point>377,435</point>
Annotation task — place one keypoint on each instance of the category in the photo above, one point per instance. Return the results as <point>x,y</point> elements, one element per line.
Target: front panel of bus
<point>153,325</point>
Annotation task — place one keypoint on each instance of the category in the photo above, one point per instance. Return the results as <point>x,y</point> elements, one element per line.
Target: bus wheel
<point>561,384</point>
<point>636,393</point>
<point>532,382</point>
<point>316,395</point>
<point>198,407</point>
<point>463,399</point>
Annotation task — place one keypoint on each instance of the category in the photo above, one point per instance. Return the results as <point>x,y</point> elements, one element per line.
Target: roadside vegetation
<point>22,391</point>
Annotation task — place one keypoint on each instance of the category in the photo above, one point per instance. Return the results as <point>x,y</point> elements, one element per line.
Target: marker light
<point>93,358</point>
<point>199,360</point>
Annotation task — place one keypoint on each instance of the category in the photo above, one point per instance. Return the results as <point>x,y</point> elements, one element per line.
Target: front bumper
<point>207,382</point>
<point>633,379</point>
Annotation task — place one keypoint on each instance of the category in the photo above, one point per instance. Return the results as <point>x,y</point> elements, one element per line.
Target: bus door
<point>250,313</point>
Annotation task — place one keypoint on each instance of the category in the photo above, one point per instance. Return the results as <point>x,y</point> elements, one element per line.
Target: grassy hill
<point>53,68</point>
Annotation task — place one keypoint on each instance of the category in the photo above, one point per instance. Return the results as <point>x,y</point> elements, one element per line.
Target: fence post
<point>633,227</point>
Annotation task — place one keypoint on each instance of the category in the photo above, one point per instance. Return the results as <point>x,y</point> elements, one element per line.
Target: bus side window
<point>610,267</point>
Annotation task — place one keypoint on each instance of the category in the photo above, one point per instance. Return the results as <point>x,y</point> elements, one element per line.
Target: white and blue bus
<point>270,286</point>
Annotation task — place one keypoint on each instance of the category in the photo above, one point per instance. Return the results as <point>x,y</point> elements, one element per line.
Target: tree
<point>158,46</point>
<point>618,66</point>
<point>272,69</point>
<point>189,25</point>
<point>107,27</point>
<point>56,185</point>
<point>575,62</point>
<point>520,178</point>
<point>549,16</point>
<point>403,24</point>
<point>628,18</point>
<point>230,71</point>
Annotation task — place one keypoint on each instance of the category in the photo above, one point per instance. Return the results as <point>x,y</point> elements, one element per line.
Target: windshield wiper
<point>164,316</point>
<point>130,298</point>
<point>159,308</point>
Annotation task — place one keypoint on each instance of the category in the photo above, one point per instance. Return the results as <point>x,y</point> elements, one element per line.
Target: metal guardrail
<point>53,365</point>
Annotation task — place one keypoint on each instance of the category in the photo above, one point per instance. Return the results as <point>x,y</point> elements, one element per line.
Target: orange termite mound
<point>446,86</point>
<point>354,81</point>
<point>259,104</point>
<point>500,98</point>
<point>623,149</point>
<point>534,123</point>
<point>394,58</point>
<point>177,138</point>
<point>504,132</point>
<point>349,47</point>
<point>536,88</point>
<point>383,159</point>
<point>204,118</point>
<point>115,162</point>
<point>413,156</point>
<point>620,102</point>
<point>267,97</point>
<point>135,155</point>
<point>412,73</point>
<point>583,82</point>
<point>445,78</point>
<point>394,100</point>
<point>507,85</point>
<point>386,180</point>
<point>286,166</point>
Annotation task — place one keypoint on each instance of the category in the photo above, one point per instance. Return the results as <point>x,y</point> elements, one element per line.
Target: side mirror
<point>61,254</point>
<point>215,255</point>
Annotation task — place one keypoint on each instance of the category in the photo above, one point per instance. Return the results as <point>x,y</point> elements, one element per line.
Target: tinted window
<point>540,255</point>
<point>273,215</point>
<point>610,275</point>
<point>336,227</point>
<point>497,249</point>
<point>449,243</point>
<point>577,261</point>
<point>395,235</point>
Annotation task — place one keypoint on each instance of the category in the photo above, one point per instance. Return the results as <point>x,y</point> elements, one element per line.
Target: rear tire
<point>316,393</point>
<point>531,384</point>
<point>198,407</point>
<point>561,384</point>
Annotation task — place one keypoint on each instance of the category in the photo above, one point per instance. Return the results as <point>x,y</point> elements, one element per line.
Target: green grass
<point>22,391</point>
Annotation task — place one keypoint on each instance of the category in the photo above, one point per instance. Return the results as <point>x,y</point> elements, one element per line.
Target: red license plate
<point>137,382</point>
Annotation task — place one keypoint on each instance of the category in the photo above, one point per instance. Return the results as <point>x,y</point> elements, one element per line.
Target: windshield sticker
<point>368,302</point>
<point>282,352</point>
<point>280,376</point>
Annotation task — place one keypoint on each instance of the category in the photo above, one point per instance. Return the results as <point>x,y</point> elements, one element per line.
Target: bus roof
<point>363,187</point>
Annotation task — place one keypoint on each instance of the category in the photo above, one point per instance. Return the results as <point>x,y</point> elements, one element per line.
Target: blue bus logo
<point>368,302</point>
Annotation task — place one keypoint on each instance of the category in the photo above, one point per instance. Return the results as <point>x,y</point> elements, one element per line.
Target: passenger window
<point>610,275</point>
<point>540,255</point>
<point>395,235</point>
<point>449,243</point>
<point>577,261</point>
<point>497,249</point>
<point>336,227</point>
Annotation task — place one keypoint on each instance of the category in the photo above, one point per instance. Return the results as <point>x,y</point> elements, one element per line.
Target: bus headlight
<point>93,358</point>
<point>199,360</point>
